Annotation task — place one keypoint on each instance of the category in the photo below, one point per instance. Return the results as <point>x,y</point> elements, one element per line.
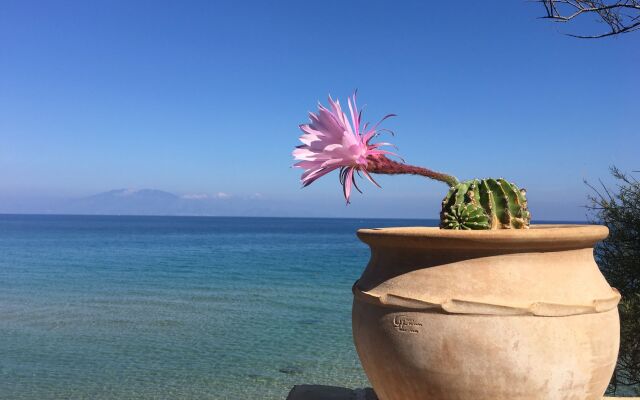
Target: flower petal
<point>334,141</point>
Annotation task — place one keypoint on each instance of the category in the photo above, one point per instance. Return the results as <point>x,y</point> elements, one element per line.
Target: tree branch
<point>622,16</point>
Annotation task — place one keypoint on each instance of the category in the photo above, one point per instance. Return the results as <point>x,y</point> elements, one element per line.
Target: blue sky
<point>206,97</point>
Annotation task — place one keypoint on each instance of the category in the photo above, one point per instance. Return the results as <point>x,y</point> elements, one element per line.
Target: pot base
<point>439,356</point>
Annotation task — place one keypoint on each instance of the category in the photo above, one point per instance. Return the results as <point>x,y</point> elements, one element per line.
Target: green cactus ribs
<point>485,204</point>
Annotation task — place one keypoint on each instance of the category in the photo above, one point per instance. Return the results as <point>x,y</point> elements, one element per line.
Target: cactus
<point>330,141</point>
<point>485,204</point>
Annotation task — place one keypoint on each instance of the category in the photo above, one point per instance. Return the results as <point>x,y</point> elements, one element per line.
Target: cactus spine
<point>485,204</point>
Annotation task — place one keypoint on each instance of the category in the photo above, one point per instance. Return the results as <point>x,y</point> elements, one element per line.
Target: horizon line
<point>541,221</point>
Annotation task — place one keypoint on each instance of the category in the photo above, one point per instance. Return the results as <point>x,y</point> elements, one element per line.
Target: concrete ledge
<point>320,392</point>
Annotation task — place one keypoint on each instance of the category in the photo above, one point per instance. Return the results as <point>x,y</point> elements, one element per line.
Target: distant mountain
<point>128,201</point>
<point>153,202</point>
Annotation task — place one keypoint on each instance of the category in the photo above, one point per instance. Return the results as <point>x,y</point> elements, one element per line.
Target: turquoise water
<point>177,307</point>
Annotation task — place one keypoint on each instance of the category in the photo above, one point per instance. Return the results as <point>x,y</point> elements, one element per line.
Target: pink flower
<point>331,141</point>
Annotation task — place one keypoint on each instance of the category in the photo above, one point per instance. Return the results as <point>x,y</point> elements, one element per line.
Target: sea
<point>126,307</point>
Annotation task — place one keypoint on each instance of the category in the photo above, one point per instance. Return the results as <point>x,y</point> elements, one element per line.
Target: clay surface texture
<point>500,315</point>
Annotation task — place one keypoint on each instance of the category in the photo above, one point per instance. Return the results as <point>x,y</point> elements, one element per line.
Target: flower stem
<point>383,165</point>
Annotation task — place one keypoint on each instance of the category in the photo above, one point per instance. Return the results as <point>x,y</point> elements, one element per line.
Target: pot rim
<point>542,237</point>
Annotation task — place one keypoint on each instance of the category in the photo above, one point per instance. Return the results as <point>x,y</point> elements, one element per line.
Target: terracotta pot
<point>475,315</point>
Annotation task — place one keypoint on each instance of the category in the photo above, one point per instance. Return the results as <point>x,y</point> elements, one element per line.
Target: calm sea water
<point>97,307</point>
